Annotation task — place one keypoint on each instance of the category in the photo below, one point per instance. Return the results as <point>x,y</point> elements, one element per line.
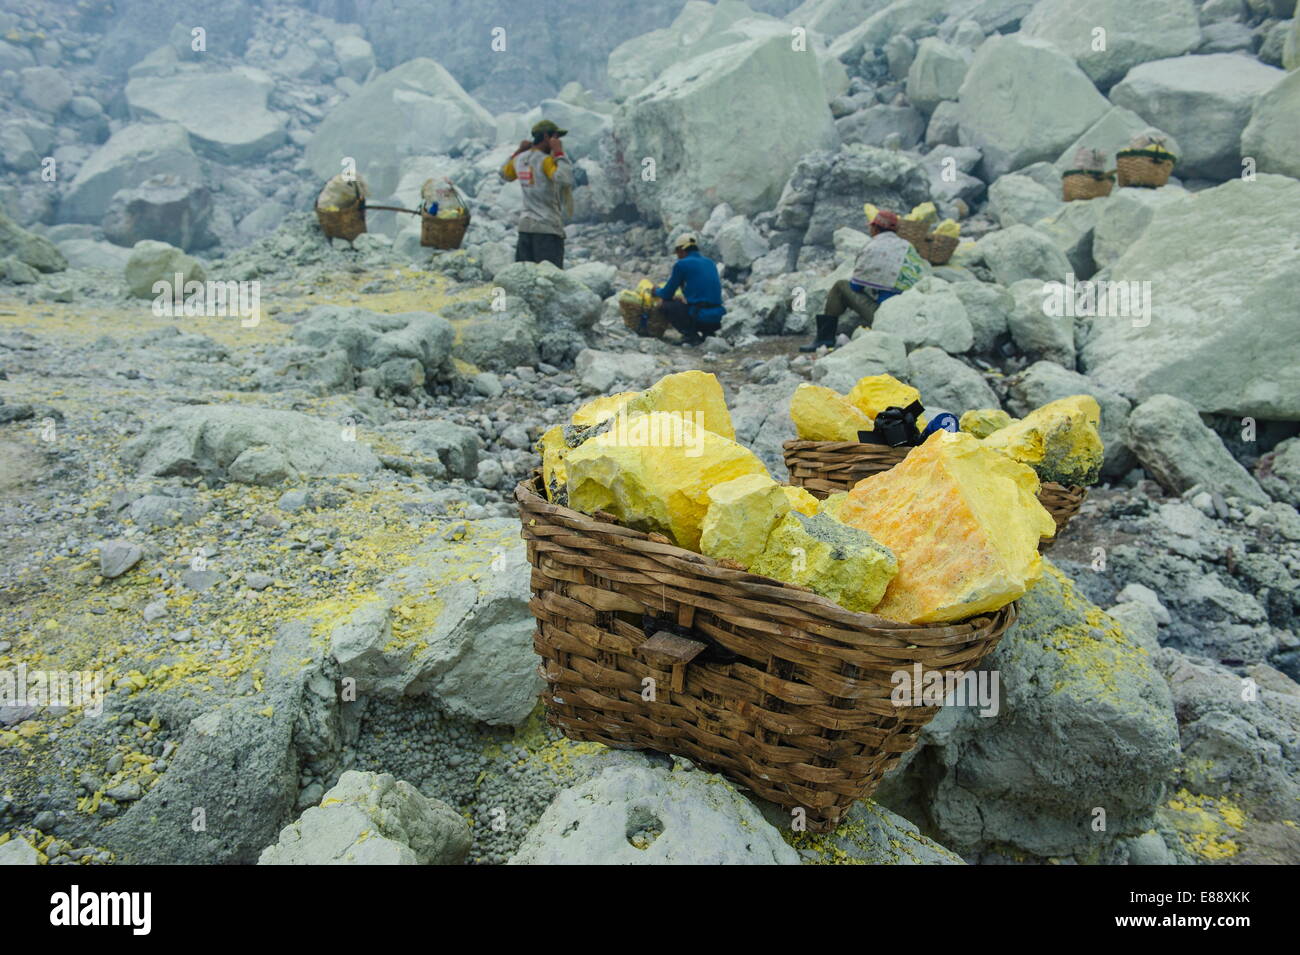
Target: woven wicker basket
<point>826,467</point>
<point>775,687</point>
<point>646,322</point>
<point>915,232</point>
<point>939,248</point>
<point>342,223</point>
<point>439,233</point>
<point>1076,185</point>
<point>1138,168</point>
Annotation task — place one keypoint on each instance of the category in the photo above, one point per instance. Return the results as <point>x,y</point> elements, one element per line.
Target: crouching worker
<point>697,276</point>
<point>887,265</point>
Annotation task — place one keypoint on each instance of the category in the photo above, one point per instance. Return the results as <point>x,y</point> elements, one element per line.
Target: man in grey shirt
<point>545,176</point>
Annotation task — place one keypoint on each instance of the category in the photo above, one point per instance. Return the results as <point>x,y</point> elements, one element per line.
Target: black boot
<point>826,325</point>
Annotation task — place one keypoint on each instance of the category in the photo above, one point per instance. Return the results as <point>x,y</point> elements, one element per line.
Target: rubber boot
<point>826,325</point>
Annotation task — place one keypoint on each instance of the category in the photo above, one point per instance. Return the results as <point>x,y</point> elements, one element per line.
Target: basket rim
<point>811,604</point>
<point>1157,157</point>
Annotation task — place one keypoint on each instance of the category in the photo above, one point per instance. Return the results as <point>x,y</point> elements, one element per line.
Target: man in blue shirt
<point>697,276</point>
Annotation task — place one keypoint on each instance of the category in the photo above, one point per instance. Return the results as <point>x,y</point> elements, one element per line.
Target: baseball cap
<point>546,126</point>
<point>686,241</point>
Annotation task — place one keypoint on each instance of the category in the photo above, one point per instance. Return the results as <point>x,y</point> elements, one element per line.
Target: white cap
<point>685,241</point>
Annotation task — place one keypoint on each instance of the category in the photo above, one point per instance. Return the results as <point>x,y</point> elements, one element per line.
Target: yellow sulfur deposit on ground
<point>874,393</point>
<point>741,515</point>
<point>839,562</point>
<point>963,522</point>
<point>983,422</point>
<point>654,472</point>
<point>1059,441</point>
<point>822,414</point>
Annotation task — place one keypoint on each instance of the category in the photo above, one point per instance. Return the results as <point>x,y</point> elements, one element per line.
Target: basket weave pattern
<point>789,694</point>
<point>439,233</point>
<point>1076,186</point>
<point>646,322</point>
<point>1142,171</point>
<point>825,467</point>
<point>342,223</point>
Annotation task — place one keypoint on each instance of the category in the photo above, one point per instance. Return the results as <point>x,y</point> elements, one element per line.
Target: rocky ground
<point>290,547</point>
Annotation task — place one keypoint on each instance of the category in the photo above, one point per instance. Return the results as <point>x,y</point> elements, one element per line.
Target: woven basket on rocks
<point>646,322</point>
<point>438,233</point>
<point>342,223</point>
<point>1140,167</point>
<point>775,687</point>
<point>1079,184</point>
<point>826,467</point>
<point>940,248</point>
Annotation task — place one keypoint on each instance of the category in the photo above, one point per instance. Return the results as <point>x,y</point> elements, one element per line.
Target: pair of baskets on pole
<point>934,247</point>
<point>647,645</point>
<point>437,232</point>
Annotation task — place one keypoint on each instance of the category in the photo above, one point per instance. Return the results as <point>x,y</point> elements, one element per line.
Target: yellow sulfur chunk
<point>964,523</point>
<point>821,414</point>
<point>600,409</point>
<point>553,450</point>
<point>694,394</point>
<point>801,500</point>
<point>948,227</point>
<point>925,212</point>
<point>869,211</point>
<point>875,393</point>
<point>983,422</point>
<point>654,472</point>
<point>741,515</point>
<point>842,563</point>
<point>1059,441</point>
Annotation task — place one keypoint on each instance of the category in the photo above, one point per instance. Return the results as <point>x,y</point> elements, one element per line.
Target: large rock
<point>1072,229</point>
<point>131,154</point>
<point>947,384</point>
<point>417,108</point>
<point>1121,218</point>
<point>33,250</point>
<point>600,370</point>
<point>881,125</point>
<point>1136,31</point>
<point>641,816</point>
<point>454,623</point>
<point>162,208</point>
<point>869,353</point>
<point>927,317</point>
<point>247,445</point>
<point>152,262</point>
<point>44,88</point>
<point>826,190</point>
<point>1083,720</point>
<point>396,352</point>
<point>1024,101</point>
<point>1204,101</point>
<point>438,449</point>
<point>562,306</point>
<point>1021,252</point>
<point>695,122</point>
<point>1046,381</point>
<point>936,73</point>
<point>739,243</point>
<point>868,834</point>
<point>1279,472</point>
<point>1037,334</point>
<point>1272,138</point>
<point>1179,451</point>
<point>1221,337</point>
<point>373,819</point>
<point>225,113</point>
<point>1018,199</point>
<point>987,307</point>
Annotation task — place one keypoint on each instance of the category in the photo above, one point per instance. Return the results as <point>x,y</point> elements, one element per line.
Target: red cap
<point>886,220</point>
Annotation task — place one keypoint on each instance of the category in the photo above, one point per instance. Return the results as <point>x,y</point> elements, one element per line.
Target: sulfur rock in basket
<point>694,394</point>
<point>653,472</point>
<point>743,512</point>
<point>844,564</point>
<point>1060,441</point>
<point>823,414</point>
<point>982,422</point>
<point>874,393</point>
<point>964,523</point>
